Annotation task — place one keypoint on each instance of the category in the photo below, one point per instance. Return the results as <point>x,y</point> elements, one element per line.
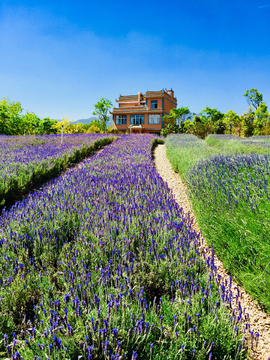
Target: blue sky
<point>58,58</point>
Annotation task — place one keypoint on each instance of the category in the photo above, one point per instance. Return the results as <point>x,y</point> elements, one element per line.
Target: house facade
<point>143,113</point>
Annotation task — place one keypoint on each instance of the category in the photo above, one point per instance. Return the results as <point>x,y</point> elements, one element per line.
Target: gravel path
<point>258,319</point>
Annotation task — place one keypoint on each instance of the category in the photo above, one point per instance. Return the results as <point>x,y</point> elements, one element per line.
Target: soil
<point>258,319</point>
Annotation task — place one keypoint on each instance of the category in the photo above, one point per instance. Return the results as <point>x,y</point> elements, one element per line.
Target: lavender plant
<point>103,264</point>
<point>27,161</point>
<point>185,150</point>
<point>230,196</point>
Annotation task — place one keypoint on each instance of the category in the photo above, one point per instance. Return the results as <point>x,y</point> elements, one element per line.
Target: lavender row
<point>252,144</point>
<point>186,140</point>
<point>238,205</point>
<point>235,178</point>
<point>26,160</point>
<point>103,264</point>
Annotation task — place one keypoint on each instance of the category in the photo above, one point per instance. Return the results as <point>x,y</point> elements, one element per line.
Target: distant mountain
<point>87,121</point>
<point>84,121</point>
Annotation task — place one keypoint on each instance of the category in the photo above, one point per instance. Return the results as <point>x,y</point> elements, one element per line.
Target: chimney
<point>170,92</point>
<point>139,98</point>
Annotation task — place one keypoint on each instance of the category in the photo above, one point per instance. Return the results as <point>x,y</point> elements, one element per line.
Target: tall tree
<point>211,114</point>
<point>233,122</point>
<point>30,123</point>
<point>215,119</point>
<point>177,117</point>
<point>101,110</point>
<point>247,120</point>
<point>45,126</point>
<point>9,115</point>
<point>261,119</point>
<point>200,127</point>
<point>254,98</point>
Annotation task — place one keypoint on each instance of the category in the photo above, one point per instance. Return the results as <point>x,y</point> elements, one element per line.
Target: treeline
<point>255,121</point>
<point>13,122</point>
<point>94,127</point>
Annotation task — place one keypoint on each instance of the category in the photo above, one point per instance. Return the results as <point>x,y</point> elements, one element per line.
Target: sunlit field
<point>103,264</point>
<point>228,182</point>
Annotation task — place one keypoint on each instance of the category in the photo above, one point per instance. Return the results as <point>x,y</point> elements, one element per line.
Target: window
<point>121,119</point>
<point>153,104</point>
<point>137,119</point>
<point>154,119</point>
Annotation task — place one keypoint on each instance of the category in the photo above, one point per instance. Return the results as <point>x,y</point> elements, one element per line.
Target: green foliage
<point>255,121</point>
<point>247,120</point>
<point>261,119</point>
<point>231,207</point>
<point>94,127</point>
<point>200,127</point>
<point>174,122</point>
<point>233,122</point>
<point>31,123</point>
<point>9,116</point>
<point>169,129</point>
<point>213,122</point>
<point>213,115</point>
<point>101,110</point>
<point>45,126</point>
<point>254,98</point>
<point>210,121</point>
<point>12,122</point>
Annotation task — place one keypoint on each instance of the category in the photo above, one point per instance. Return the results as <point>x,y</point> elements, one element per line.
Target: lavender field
<point>103,264</point>
<point>27,161</point>
<point>229,185</point>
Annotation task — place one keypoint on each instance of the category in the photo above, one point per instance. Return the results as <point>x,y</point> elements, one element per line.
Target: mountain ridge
<point>88,120</point>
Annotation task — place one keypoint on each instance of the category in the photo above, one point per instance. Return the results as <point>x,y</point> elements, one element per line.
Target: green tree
<point>261,119</point>
<point>9,116</point>
<point>254,98</point>
<point>219,127</point>
<point>233,122</point>
<point>176,119</point>
<point>12,122</point>
<point>212,120</point>
<point>186,126</point>
<point>30,123</point>
<point>247,120</point>
<point>46,126</point>
<point>94,127</point>
<point>212,115</point>
<point>85,127</point>
<point>200,126</point>
<point>101,110</point>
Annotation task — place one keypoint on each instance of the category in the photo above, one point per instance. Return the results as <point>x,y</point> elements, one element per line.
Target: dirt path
<point>259,321</point>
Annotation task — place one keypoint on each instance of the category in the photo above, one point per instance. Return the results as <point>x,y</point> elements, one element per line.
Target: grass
<point>186,150</point>
<point>228,183</point>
